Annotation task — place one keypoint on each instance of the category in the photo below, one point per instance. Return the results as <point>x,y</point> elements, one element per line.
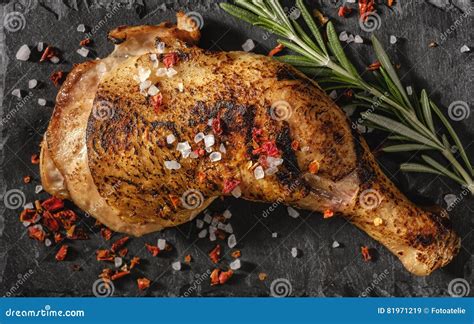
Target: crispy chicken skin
<point>106,147</point>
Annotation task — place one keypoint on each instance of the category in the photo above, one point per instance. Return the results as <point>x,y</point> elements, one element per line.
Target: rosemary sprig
<point>409,118</point>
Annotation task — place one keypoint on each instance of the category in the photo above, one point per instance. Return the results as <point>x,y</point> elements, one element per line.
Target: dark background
<point>321,270</point>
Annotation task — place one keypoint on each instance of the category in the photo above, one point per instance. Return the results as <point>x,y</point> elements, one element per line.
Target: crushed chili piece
<point>267,148</point>
<point>58,237</point>
<point>201,176</point>
<point>295,145</point>
<point>35,159</point>
<point>174,200</point>
<point>215,276</point>
<point>214,255</point>
<point>277,49</point>
<point>61,255</point>
<point>27,179</point>
<point>52,204</point>
<point>75,233</point>
<point>153,249</point>
<point>143,283</point>
<point>229,185</point>
<point>366,253</point>
<point>106,233</point>
<point>313,167</point>
<point>217,125</point>
<point>236,254</point>
<point>134,262</point>
<point>374,66</point>
<point>328,213</point>
<point>157,102</point>
<point>50,222</point>
<point>168,247</point>
<point>188,258</point>
<point>67,218</point>
<point>344,11</point>
<point>85,42</point>
<point>366,7</point>
<point>220,234</point>
<point>170,59</point>
<point>349,93</point>
<point>104,255</point>
<point>257,134</point>
<point>224,276</point>
<point>56,77</point>
<point>76,267</point>
<point>48,53</point>
<point>106,274</point>
<point>262,276</point>
<point>37,233</point>
<point>123,252</point>
<point>29,216</point>
<point>119,275</point>
<point>390,2</point>
<point>119,243</point>
<point>321,18</point>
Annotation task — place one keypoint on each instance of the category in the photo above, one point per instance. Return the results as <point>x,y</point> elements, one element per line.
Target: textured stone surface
<point>320,270</point>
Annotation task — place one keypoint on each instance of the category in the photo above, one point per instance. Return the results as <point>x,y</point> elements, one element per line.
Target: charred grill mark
<point>365,172</point>
<point>292,171</point>
<point>165,124</point>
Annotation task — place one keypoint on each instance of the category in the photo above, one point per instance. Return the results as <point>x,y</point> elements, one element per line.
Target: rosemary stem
<point>467,178</point>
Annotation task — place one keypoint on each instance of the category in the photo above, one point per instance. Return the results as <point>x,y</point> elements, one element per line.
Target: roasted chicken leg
<point>149,136</point>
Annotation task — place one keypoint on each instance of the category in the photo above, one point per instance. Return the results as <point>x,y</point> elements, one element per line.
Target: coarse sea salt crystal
<point>170,138</point>
<point>227,214</point>
<point>81,28</point>
<point>172,165</point>
<point>23,53</point>
<point>231,241</point>
<point>42,102</point>
<point>144,85</point>
<point>237,192</point>
<point>229,229</point>
<point>212,236</point>
<point>207,218</point>
<point>32,83</point>
<point>176,266</point>
<point>83,52</point>
<point>160,47</point>
<point>199,223</point>
<point>450,199</point>
<point>335,244</point>
<point>294,252</point>
<point>235,265</point>
<point>358,39</point>
<point>40,46</point>
<point>183,146</point>
<point>333,94</point>
<point>181,87</point>
<point>212,229</point>
<point>118,262</point>
<point>16,93</point>
<point>171,72</point>
<point>350,39</point>
<point>293,212</point>
<point>161,72</point>
<point>271,171</point>
<point>215,221</point>
<point>274,162</point>
<point>248,45</point>
<point>55,60</point>
<point>343,36</point>
<point>198,137</point>
<point>209,149</point>
<point>28,206</point>
<point>153,90</point>
<point>222,148</point>
<point>47,242</point>
<point>274,235</point>
<point>143,73</point>
<point>193,155</point>
<point>409,90</point>
<point>161,244</point>
<point>221,226</point>
<point>38,189</point>
<point>203,233</point>
<point>215,156</point>
<point>393,39</point>
<point>258,173</point>
<point>209,140</point>
<point>465,49</point>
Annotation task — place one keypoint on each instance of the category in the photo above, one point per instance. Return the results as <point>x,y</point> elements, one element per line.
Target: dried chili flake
<point>77,234</point>
<point>27,179</point>
<point>143,283</point>
<point>58,237</point>
<point>106,233</point>
<point>344,11</point>
<point>52,204</point>
<point>29,216</point>
<point>76,267</point>
<point>188,258</point>
<point>48,53</point>
<point>224,276</point>
<point>214,255</point>
<point>374,66</point>
<point>50,222</point>
<point>217,126</point>
<point>134,262</point>
<point>70,231</point>
<point>61,255</point>
<point>106,274</point>
<point>215,276</point>
<point>119,275</point>
<point>295,145</point>
<point>36,232</point>
<point>349,93</point>
<point>153,249</point>
<point>267,148</point>
<point>35,159</point>
<point>313,167</point>
<point>366,7</point>
<point>390,2</point>
<point>123,252</point>
<point>157,102</point>
<point>277,49</point>
<point>220,234</point>
<point>168,247</point>
<point>67,218</point>
<point>119,243</point>
<point>229,185</point>
<point>85,42</point>
<point>170,59</point>
<point>201,176</point>
<point>104,255</point>
<point>366,253</point>
<point>56,77</point>
<point>174,200</point>
<point>328,213</point>
<point>262,276</point>
<point>236,254</point>
<point>257,134</point>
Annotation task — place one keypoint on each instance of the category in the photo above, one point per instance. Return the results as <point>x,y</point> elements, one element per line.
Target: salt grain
<point>222,148</point>
<point>207,218</point>
<point>227,214</point>
<point>259,173</point>
<point>209,140</point>
<point>184,148</point>
<point>248,45</point>
<point>358,39</point>
<point>161,244</point>
<point>335,244</point>
<point>350,39</point>
<point>228,229</point>
<point>55,60</point>
<point>29,206</point>
<point>153,90</point>
<point>118,262</point>
<point>176,266</point>
<point>199,223</point>
<point>215,156</point>
<point>343,36</point>
<point>212,236</point>
<point>172,165</point>
<point>232,241</point>
<point>274,235</point>
<point>203,233</point>
<point>42,102</point>
<point>143,74</point>
<point>293,212</point>
<point>333,94</point>
<point>235,265</point>
<point>465,49</point>
<point>83,52</point>
<point>160,47</point>
<point>409,90</point>
<point>171,72</point>
<point>23,53</point>
<point>170,138</point>
<point>181,87</point>
<point>38,189</point>
<point>237,192</point>
<point>47,242</point>
<point>450,199</point>
<point>81,28</point>
<point>32,83</point>
<point>16,93</point>
<point>198,137</point>
<point>160,72</point>
<point>393,39</point>
<point>40,46</point>
<point>294,252</point>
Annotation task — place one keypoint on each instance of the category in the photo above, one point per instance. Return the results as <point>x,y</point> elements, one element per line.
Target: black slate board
<point>28,269</point>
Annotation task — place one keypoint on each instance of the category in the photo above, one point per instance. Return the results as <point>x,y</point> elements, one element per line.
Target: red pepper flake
<point>27,179</point>
<point>268,148</point>
<point>106,233</point>
<point>174,200</point>
<point>295,145</point>
<point>328,213</point>
<point>224,276</point>
<point>366,7</point>
<point>214,255</point>
<point>349,93</point>
<point>134,262</point>
<point>220,234</point>
<point>77,233</point>
<point>366,253</point>
<point>106,274</point>
<point>58,237</point>
<point>123,252</point>
<point>56,77</point>
<point>216,125</point>
<point>157,102</point>
<point>85,42</point>
<point>344,11</point>
<point>119,275</point>
<point>229,185</point>
<point>390,3</point>
<point>170,59</point>
<point>143,283</point>
<point>50,222</point>
<point>29,216</point>
<point>313,167</point>
<point>215,277</point>
<point>52,204</point>
<point>236,254</point>
<point>374,66</point>
<point>119,243</point>
<point>35,159</point>
<point>277,49</point>
<point>104,255</point>
<point>37,233</point>
<point>153,249</point>
<point>67,218</point>
<point>188,258</point>
<point>257,134</point>
<point>48,53</point>
<point>201,176</point>
<point>61,255</point>
<point>262,276</point>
